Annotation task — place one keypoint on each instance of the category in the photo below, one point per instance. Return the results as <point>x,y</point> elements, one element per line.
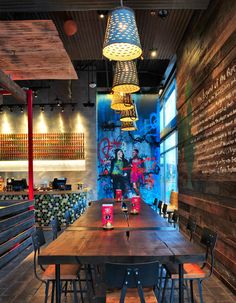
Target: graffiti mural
<point>130,160</point>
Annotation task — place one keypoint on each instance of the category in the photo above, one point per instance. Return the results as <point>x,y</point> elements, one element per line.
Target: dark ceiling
<point>85,47</point>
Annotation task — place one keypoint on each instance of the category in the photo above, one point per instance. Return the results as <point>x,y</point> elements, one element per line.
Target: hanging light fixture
<point>121,102</point>
<point>128,126</point>
<point>122,41</point>
<point>125,77</point>
<point>129,115</point>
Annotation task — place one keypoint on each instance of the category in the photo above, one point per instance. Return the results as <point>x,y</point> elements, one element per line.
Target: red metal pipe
<point>30,143</point>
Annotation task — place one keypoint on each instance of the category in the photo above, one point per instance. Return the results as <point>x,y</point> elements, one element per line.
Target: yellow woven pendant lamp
<point>125,78</point>
<point>122,41</point>
<point>129,115</point>
<point>128,126</point>
<point>121,102</point>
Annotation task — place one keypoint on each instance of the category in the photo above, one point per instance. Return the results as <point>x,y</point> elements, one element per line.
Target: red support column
<point>30,144</point>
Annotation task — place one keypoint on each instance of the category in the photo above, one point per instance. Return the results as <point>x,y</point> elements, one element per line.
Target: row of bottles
<point>46,146</point>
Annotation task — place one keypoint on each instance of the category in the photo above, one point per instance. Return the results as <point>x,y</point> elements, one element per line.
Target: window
<point>168,163</point>
<point>161,120</point>
<point>170,107</point>
<point>168,146</point>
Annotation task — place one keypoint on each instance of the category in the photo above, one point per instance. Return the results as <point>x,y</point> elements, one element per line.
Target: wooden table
<point>96,246</point>
<point>147,219</point>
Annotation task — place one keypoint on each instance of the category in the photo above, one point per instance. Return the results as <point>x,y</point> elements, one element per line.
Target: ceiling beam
<point>15,90</point>
<point>79,5</point>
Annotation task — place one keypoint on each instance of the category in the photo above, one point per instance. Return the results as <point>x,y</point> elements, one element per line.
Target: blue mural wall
<point>146,139</point>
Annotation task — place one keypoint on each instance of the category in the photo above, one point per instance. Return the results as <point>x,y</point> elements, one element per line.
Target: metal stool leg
<point>164,289</point>
<point>200,290</point>
<point>191,290</point>
<point>66,288</point>
<point>46,292</point>
<point>75,291</point>
<point>81,291</point>
<point>53,289</point>
<point>172,291</point>
<point>160,284</point>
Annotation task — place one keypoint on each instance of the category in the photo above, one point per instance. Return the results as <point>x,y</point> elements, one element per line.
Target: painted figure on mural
<point>119,172</point>
<point>136,171</point>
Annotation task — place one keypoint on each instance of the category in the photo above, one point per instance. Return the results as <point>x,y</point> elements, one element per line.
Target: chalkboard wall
<point>206,83</point>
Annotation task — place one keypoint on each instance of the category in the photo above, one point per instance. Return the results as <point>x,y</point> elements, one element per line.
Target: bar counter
<point>52,203</point>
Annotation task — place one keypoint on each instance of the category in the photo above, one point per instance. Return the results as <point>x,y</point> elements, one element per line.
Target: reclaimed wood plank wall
<point>17,223</point>
<point>206,81</point>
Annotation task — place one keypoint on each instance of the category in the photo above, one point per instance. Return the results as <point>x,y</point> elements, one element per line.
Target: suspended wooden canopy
<point>32,49</point>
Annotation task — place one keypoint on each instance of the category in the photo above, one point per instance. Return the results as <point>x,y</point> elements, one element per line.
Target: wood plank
<point>34,51</point>
<point>15,230</point>
<point>6,246</point>
<point>4,259</point>
<point>206,121</point>
<point>69,5</point>
<point>147,218</point>
<point>16,207</point>
<point>219,210</point>
<point>14,220</point>
<point>12,87</point>
<point>99,247</point>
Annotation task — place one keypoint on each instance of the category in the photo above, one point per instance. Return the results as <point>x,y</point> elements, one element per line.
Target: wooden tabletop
<point>99,247</point>
<point>146,239</point>
<point>146,219</point>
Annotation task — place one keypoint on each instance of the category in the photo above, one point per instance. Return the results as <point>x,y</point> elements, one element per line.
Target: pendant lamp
<point>128,126</point>
<point>129,115</point>
<point>122,41</point>
<point>121,102</point>
<point>125,78</point>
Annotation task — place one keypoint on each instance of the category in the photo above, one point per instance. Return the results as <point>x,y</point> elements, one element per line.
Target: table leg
<point>58,286</point>
<point>100,287</point>
<point>181,280</point>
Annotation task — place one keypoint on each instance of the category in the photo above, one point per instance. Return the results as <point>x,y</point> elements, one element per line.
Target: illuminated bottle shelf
<point>53,146</point>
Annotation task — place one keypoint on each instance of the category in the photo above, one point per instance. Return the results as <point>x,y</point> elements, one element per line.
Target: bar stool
<point>68,218</point>
<point>159,206</point>
<point>164,211</point>
<point>155,204</point>
<point>191,227</point>
<point>68,272</point>
<point>55,226</point>
<point>193,272</point>
<point>136,282</point>
<point>173,218</point>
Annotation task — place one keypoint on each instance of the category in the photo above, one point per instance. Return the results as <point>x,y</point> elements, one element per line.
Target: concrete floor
<point>18,285</point>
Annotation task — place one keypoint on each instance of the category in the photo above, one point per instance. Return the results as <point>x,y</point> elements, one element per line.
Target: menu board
<point>52,146</point>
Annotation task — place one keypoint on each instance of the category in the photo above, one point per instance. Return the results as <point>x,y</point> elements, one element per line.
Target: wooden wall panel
<point>17,223</point>
<point>206,83</point>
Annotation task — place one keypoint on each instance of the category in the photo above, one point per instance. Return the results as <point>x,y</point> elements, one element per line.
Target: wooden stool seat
<point>67,272</point>
<point>191,271</point>
<point>131,296</point>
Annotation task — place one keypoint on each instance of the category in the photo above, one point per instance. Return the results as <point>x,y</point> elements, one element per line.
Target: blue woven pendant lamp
<point>122,41</point>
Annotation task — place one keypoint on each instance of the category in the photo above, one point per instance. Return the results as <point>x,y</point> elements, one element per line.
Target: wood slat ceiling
<point>75,5</point>
<point>33,50</point>
<point>162,34</point>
